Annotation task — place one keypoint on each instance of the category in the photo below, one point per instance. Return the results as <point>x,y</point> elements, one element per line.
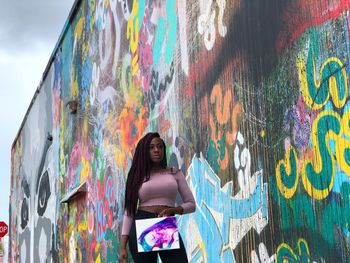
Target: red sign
<point>3,229</point>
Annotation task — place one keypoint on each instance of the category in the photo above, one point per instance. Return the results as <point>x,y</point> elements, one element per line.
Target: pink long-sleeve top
<point>161,189</point>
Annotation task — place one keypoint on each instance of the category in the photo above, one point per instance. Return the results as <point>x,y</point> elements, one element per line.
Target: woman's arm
<point>125,239</point>
<point>189,204</point>
<point>172,211</point>
<point>127,222</point>
<point>123,254</point>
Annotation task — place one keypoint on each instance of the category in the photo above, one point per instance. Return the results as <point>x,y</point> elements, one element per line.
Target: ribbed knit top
<point>161,189</point>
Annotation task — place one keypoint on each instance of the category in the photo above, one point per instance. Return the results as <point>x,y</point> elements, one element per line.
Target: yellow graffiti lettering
<point>85,171</point>
<point>317,171</point>
<point>75,87</point>
<point>285,253</point>
<point>343,145</point>
<point>79,27</point>
<point>288,191</point>
<point>119,157</point>
<point>316,86</point>
<point>135,65</point>
<point>82,226</point>
<point>92,13</point>
<point>323,162</point>
<point>85,127</point>
<point>97,247</point>
<point>132,33</point>
<point>134,38</point>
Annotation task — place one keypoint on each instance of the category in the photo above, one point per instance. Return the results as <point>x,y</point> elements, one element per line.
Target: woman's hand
<point>123,255</point>
<point>171,211</point>
<point>173,170</point>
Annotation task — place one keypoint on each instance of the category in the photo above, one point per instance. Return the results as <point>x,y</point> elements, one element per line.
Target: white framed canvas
<point>154,234</point>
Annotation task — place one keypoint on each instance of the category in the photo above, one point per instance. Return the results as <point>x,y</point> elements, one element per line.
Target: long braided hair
<point>140,171</point>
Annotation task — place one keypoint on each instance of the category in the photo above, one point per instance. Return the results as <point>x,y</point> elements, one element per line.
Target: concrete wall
<point>252,100</point>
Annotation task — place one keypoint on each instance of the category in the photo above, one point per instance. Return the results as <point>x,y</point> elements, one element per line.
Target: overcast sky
<point>29,30</point>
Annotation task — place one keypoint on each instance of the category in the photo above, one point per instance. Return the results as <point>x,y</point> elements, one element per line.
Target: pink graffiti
<point>145,53</point>
<point>298,120</point>
<point>74,160</point>
<point>110,191</point>
<point>92,250</point>
<point>57,108</point>
<point>75,163</point>
<point>304,113</point>
<point>104,211</point>
<point>101,221</point>
<point>91,220</point>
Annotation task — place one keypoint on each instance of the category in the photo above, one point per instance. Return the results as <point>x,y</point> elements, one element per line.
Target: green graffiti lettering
<point>318,173</point>
<point>286,254</point>
<point>333,80</point>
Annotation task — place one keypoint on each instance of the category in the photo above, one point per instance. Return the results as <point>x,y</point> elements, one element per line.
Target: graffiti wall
<point>252,101</point>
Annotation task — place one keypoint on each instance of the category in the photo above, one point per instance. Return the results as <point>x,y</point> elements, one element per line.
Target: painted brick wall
<point>252,100</point>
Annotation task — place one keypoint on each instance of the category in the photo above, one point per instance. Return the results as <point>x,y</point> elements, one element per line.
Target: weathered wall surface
<point>252,100</point>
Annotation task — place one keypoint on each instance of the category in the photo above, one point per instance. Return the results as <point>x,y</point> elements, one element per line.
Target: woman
<point>155,187</point>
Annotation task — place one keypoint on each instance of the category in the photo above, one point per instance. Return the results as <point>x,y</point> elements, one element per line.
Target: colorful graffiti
<point>252,100</point>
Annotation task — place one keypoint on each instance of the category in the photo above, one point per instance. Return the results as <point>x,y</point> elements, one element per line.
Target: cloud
<point>25,23</point>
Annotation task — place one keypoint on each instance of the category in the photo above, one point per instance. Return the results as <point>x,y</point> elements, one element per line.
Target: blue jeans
<point>167,256</point>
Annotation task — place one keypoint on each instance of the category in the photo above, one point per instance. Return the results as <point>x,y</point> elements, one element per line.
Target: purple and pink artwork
<point>154,234</point>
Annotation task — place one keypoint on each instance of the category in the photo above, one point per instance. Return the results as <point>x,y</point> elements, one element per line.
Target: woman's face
<point>156,150</point>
